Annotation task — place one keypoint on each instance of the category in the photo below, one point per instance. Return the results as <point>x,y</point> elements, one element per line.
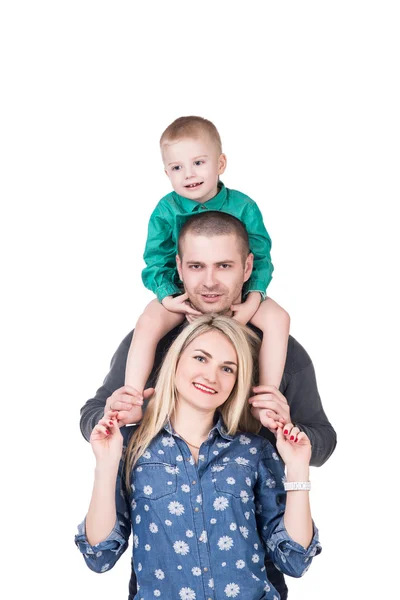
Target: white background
<point>306,98</point>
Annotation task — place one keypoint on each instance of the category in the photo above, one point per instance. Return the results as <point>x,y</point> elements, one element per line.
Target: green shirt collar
<point>215,203</point>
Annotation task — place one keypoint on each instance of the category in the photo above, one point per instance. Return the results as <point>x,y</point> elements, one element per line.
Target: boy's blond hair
<point>185,127</point>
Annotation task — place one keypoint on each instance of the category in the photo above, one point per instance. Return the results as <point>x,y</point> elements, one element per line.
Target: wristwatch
<point>291,486</point>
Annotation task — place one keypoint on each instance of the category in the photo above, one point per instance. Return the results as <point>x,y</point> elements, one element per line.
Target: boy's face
<point>193,166</point>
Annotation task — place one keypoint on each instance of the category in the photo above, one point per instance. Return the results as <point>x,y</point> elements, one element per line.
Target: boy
<point>193,160</point>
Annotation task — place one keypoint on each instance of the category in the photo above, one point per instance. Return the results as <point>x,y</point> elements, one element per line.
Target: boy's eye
<point>198,163</point>
<point>176,168</point>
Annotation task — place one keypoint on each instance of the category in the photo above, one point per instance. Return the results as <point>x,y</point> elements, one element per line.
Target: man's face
<point>212,271</point>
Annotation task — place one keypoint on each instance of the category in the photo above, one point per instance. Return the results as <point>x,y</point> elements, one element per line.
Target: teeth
<point>203,387</point>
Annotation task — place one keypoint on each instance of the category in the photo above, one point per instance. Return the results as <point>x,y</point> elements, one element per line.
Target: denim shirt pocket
<point>154,480</point>
<point>234,479</point>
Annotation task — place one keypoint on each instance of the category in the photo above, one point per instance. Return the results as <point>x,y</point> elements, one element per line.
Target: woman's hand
<point>294,446</point>
<point>106,440</point>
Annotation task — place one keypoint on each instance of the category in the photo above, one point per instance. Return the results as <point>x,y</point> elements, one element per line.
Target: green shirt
<point>161,276</point>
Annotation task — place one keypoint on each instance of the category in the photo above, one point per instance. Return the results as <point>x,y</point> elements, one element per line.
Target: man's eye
<point>194,267</point>
<point>224,266</point>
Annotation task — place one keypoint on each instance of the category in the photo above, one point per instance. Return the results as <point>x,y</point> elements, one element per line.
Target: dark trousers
<point>274,576</point>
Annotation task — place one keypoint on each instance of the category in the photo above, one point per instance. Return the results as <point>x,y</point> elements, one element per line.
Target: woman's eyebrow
<point>226,362</point>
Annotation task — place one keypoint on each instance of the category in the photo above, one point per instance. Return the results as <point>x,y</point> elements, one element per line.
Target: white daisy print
<point>244,531</point>
<point>203,537</point>
<point>139,469</point>
<point>271,483</point>
<point>133,504</point>
<point>161,452</point>
<point>244,440</point>
<point>139,567</point>
<point>135,541</point>
<point>153,528</point>
<point>187,593</point>
<point>201,456</point>
<point>240,564</point>
<point>253,450</point>
<point>146,507</point>
<point>179,567</point>
<point>168,522</point>
<point>223,444</point>
<point>226,459</point>
<point>191,460</point>
<point>159,573</point>
<point>248,481</point>
<point>185,488</point>
<point>247,515</point>
<point>147,547</point>
<point>171,469</point>
<point>176,508</point>
<point>196,571</point>
<point>230,480</point>
<point>275,456</point>
<point>255,558</point>
<point>241,461</point>
<point>168,441</point>
<point>256,548</point>
<point>157,593</point>
<point>217,468</point>
<point>105,568</point>
<point>220,503</point>
<point>181,547</point>
<point>179,458</point>
<point>215,452</point>
<point>138,519</point>
<point>211,583</point>
<point>213,521</point>
<point>244,496</point>
<point>189,533</point>
<point>146,454</point>
<point>99,553</point>
<point>233,526</point>
<point>199,499</point>
<point>148,490</point>
<point>232,590</point>
<point>225,542</point>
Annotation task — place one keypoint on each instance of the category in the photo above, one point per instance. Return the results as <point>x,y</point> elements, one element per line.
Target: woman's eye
<point>199,358</point>
<point>227,370</point>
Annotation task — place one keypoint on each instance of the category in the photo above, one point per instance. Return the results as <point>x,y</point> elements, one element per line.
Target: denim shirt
<point>200,532</point>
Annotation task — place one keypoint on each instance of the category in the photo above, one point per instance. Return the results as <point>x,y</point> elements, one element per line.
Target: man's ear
<point>179,266</point>
<point>248,266</point>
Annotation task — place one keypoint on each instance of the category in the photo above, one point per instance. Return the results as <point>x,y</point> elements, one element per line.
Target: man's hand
<point>269,406</point>
<point>244,312</point>
<point>179,304</point>
<point>128,403</point>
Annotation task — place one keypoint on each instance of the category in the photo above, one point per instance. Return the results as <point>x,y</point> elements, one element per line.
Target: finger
<point>183,296</point>
<point>293,434</point>
<point>101,430</point>
<point>118,406</point>
<point>148,393</point>
<point>191,311</point>
<point>131,391</point>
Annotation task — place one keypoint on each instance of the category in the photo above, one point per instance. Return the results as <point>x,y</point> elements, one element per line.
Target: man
<point>214,261</point>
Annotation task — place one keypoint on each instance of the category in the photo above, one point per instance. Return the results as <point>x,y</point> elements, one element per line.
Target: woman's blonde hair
<point>235,411</point>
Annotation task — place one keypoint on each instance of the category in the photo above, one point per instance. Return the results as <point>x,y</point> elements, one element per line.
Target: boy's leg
<point>155,322</point>
<point>274,322</point>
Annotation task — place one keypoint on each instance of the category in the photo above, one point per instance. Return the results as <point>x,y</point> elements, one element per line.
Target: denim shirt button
<point>205,569</point>
<point>196,509</point>
<point>194,482</point>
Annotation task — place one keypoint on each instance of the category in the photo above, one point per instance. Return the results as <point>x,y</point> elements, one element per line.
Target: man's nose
<point>209,278</point>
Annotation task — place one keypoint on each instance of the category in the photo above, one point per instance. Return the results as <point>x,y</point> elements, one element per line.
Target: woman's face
<point>207,371</point>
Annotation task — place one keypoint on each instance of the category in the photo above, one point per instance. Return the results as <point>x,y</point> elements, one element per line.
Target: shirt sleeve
<point>159,275</point>
<point>260,246</point>
<point>306,410</point>
<point>287,555</point>
<point>102,556</point>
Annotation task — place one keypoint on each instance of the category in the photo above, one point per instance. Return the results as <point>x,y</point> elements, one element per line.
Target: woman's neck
<point>192,425</point>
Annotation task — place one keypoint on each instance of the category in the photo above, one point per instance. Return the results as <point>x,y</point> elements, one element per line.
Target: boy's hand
<point>179,304</point>
<point>244,312</point>
<point>127,403</point>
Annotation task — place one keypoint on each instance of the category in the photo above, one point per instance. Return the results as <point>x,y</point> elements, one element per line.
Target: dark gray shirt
<point>298,385</point>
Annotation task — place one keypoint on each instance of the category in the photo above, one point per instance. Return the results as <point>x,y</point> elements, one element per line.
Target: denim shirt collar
<point>218,426</point>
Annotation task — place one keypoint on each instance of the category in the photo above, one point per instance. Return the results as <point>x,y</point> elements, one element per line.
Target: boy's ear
<point>222,162</point>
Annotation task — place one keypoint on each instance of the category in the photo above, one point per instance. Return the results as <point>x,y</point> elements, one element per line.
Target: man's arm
<point>93,410</point>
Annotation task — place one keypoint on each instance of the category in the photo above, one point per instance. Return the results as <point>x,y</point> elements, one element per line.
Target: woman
<point>204,500</point>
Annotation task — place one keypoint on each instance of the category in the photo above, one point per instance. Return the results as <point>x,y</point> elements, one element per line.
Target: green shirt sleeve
<point>260,246</point>
<point>159,275</point>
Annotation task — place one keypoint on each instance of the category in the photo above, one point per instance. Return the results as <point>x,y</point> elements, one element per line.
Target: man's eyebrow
<point>219,262</point>
<point>226,362</point>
